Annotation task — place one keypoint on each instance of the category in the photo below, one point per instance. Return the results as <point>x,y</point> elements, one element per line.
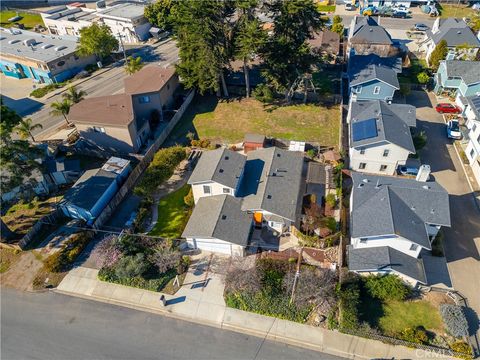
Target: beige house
<point>123,122</point>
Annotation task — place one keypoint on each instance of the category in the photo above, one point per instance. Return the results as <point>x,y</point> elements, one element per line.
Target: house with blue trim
<point>372,77</point>
<point>45,59</point>
<point>459,79</point>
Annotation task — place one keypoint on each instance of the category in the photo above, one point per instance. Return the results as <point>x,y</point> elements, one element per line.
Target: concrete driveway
<point>462,240</point>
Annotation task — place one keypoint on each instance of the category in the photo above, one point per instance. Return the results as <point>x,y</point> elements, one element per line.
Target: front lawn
<point>229,121</point>
<point>22,216</point>
<point>456,11</point>
<point>29,20</point>
<point>173,214</point>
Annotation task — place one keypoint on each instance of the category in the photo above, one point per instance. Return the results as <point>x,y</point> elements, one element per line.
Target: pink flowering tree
<point>107,252</point>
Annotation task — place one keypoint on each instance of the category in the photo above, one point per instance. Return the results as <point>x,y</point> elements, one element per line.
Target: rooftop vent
<point>361,185</point>
<point>47,46</point>
<point>226,158</point>
<point>220,171</point>
<point>29,42</point>
<point>224,217</point>
<point>366,181</point>
<point>2,37</point>
<point>278,155</point>
<point>426,187</point>
<point>61,47</point>
<point>269,196</point>
<point>14,41</point>
<point>459,32</point>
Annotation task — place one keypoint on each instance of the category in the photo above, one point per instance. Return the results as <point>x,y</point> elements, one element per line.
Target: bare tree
<point>313,218</point>
<point>243,278</point>
<point>165,258</point>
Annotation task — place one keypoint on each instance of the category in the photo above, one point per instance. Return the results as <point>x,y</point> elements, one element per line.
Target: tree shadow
<point>472,319</point>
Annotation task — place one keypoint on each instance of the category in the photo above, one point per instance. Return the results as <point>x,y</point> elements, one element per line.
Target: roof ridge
<point>220,212</point>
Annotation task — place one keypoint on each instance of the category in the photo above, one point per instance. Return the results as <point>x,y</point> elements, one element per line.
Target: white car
<point>401,8</point>
<point>453,130</point>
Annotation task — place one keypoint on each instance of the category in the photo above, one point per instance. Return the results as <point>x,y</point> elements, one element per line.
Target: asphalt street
<point>53,326</point>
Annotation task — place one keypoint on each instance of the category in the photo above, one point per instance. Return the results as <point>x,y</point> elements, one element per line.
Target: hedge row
<point>62,260</point>
<point>157,284</point>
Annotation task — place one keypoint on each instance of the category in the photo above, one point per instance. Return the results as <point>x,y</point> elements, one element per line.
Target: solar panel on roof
<point>365,129</point>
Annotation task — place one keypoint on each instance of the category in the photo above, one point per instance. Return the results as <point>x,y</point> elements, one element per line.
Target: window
<point>478,138</point>
<point>383,167</point>
<point>144,99</point>
<point>99,129</point>
<point>413,247</point>
<point>358,89</point>
<point>362,166</point>
<point>8,68</point>
<point>386,152</point>
<point>226,190</point>
<point>376,90</point>
<point>362,151</point>
<point>474,127</point>
<point>206,189</point>
<point>472,153</point>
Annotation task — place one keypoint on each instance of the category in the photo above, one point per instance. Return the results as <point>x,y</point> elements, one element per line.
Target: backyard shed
<point>253,142</point>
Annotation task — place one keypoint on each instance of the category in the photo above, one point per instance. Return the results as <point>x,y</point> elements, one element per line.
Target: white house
<point>461,41</point>
<point>393,223</point>
<point>472,112</point>
<point>68,20</point>
<point>380,138</point>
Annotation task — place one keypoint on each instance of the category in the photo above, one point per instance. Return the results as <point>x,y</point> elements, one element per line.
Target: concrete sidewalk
<point>205,305</point>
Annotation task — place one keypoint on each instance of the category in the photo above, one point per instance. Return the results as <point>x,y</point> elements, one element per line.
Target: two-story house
<point>267,186</point>
<point>366,37</point>
<point>122,122</point>
<point>393,223</point>
<point>461,41</point>
<point>472,151</point>
<point>380,137</point>
<point>459,78</point>
<point>372,77</point>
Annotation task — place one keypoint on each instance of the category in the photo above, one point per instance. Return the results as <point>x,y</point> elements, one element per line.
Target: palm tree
<point>61,108</point>
<point>25,129</point>
<point>73,95</point>
<point>133,65</point>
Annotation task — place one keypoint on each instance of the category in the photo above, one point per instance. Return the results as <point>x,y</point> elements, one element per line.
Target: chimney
<point>423,173</point>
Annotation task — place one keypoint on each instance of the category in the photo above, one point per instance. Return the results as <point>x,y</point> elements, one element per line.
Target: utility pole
<point>297,275</point>
<point>123,47</point>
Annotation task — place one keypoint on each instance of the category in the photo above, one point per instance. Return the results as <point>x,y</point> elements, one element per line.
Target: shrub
<point>416,335</point>
<point>156,284</point>
<point>263,93</point>
<point>462,347</point>
<point>131,266</point>
<point>107,252</point>
<point>63,259</point>
<point>387,287</point>
<point>165,258</point>
<point>420,140</point>
<point>349,302</point>
<point>188,199</point>
<point>423,77</point>
<point>455,320</point>
<point>331,223</point>
<point>311,153</point>
<point>41,92</point>
<point>91,68</point>
<point>464,157</point>
<point>201,143</point>
<point>331,200</point>
<point>405,89</point>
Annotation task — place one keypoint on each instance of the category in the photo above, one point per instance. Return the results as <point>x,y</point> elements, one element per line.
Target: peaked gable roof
<point>392,123</point>
<point>370,72</point>
<point>219,217</point>
<point>222,165</point>
<point>149,79</point>
<point>367,30</point>
<point>384,205</point>
<point>454,32</point>
<point>469,71</point>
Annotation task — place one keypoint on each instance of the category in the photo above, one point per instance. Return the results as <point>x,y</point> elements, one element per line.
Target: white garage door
<point>209,245</point>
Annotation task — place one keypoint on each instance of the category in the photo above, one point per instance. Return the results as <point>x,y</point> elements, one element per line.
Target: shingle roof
<point>116,110</point>
<point>366,30</point>
<point>273,182</point>
<point>358,62</point>
<point>454,32</point>
<point>150,78</point>
<point>89,188</point>
<point>474,102</point>
<point>326,40</point>
<point>219,217</point>
<point>469,71</point>
<point>392,121</point>
<point>223,166</point>
<point>384,205</point>
<point>254,138</point>
<point>385,258</point>
<point>366,72</point>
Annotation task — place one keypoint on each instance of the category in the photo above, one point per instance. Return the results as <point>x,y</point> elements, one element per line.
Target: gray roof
<point>126,11</point>
<point>89,188</point>
<point>222,165</point>
<point>383,205</point>
<point>73,14</point>
<point>392,120</point>
<point>366,30</point>
<point>454,32</point>
<point>219,217</point>
<point>474,102</point>
<point>469,71</point>
<point>359,62</point>
<point>370,72</point>
<point>273,181</point>
<point>386,258</point>
<point>254,138</point>
<point>45,49</point>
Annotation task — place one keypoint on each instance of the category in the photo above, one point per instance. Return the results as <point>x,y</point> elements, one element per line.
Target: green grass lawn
<point>458,11</point>
<point>326,8</point>
<point>29,20</point>
<point>409,314</point>
<point>229,121</point>
<point>172,214</point>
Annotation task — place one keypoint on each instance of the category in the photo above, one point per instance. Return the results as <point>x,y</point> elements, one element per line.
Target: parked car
<point>400,14</point>
<point>400,8</point>
<point>453,130</point>
<point>420,27</point>
<point>82,74</point>
<point>447,108</point>
<point>350,7</point>
<point>408,170</point>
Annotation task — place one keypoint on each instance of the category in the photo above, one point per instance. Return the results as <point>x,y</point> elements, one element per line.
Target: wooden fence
<point>42,224</point>
<point>144,162</point>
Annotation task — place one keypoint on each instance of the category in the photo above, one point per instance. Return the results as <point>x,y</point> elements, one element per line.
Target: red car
<point>448,108</point>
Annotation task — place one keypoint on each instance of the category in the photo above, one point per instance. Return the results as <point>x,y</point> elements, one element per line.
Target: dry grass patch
<point>229,121</point>
<point>7,258</point>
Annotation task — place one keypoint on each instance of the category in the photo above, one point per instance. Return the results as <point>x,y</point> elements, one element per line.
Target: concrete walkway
<point>200,300</point>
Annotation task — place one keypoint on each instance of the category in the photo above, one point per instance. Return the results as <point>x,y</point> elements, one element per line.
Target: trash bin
<point>163,300</point>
